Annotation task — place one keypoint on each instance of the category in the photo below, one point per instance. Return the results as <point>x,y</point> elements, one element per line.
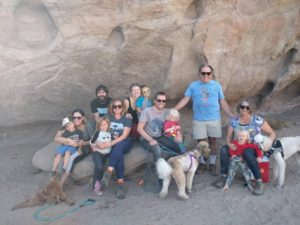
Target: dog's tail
<point>164,170</point>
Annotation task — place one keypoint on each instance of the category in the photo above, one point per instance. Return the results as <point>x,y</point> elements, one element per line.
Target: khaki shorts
<point>204,129</point>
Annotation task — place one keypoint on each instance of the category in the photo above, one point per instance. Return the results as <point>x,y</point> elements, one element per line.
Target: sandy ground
<point>208,205</point>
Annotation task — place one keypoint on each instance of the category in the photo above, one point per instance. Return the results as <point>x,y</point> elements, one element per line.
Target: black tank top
<point>133,112</point>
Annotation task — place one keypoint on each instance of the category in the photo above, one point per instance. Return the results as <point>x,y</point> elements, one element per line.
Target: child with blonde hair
<point>236,158</point>
<point>172,128</point>
<point>100,153</point>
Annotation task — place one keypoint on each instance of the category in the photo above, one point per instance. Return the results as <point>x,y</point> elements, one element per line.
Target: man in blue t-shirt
<point>207,97</point>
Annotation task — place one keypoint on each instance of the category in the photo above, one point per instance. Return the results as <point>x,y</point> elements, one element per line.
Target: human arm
<point>64,140</point>
<point>229,137</point>
<point>266,128</point>
<point>122,137</point>
<point>182,102</point>
<point>144,134</point>
<point>226,107</point>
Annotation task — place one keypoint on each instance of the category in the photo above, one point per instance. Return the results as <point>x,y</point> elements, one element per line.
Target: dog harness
<point>191,158</point>
<point>276,147</point>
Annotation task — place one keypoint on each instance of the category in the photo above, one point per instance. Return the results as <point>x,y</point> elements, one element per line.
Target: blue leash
<point>74,209</point>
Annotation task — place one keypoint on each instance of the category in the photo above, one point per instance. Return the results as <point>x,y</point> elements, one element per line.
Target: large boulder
<point>54,53</point>
<point>43,160</point>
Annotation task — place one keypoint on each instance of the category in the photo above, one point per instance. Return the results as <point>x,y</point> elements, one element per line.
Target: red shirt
<point>168,124</point>
<point>240,149</point>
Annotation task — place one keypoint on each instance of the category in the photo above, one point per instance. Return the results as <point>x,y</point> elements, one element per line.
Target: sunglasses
<point>205,73</point>
<point>245,107</point>
<point>117,106</point>
<point>77,117</point>
<point>161,100</point>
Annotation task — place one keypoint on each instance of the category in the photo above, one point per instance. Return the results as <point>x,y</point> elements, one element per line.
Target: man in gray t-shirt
<point>150,127</point>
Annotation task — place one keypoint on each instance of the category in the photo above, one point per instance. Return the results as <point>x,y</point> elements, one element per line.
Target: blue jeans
<point>116,159</point>
<point>249,156</point>
<point>156,150</point>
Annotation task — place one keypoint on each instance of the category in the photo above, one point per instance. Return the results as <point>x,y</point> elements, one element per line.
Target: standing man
<point>100,104</point>
<point>207,97</point>
<point>150,127</point>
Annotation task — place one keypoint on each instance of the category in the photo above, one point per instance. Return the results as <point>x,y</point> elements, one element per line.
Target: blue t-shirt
<point>205,97</point>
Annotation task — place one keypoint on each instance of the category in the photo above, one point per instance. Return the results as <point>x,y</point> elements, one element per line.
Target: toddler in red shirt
<point>172,128</point>
<point>236,159</point>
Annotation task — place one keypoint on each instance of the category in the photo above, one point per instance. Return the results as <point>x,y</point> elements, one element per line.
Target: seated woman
<point>130,104</point>
<point>121,144</point>
<point>87,128</point>
<point>254,124</point>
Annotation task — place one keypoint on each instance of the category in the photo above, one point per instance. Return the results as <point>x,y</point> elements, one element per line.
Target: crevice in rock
<point>263,93</point>
<point>289,59</point>
<point>195,10</point>
<point>116,37</point>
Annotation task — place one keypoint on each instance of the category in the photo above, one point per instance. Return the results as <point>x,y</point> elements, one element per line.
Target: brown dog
<point>51,193</point>
<point>177,166</point>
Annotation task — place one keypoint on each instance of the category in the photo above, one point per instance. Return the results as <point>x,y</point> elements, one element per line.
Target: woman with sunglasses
<point>87,127</point>
<point>207,97</point>
<point>254,124</point>
<point>121,144</point>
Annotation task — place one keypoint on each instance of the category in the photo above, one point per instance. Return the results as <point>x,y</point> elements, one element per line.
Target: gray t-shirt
<point>154,120</point>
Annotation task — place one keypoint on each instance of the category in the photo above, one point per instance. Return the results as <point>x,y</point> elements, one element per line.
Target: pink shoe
<point>97,189</point>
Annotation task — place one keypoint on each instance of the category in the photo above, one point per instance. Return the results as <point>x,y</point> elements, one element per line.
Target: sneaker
<point>121,191</point>
<point>259,188</point>
<point>213,170</point>
<point>97,189</point>
<point>105,180</point>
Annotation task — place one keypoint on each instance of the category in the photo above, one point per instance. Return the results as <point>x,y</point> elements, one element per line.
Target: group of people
<point>117,123</point>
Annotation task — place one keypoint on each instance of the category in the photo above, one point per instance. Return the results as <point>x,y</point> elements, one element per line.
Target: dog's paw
<point>162,195</point>
<point>183,196</point>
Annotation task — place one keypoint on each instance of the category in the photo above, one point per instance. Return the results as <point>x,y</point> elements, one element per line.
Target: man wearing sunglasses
<point>207,97</point>
<point>150,127</point>
<point>100,104</point>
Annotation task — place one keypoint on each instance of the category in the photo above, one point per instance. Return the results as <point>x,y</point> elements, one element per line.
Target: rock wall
<point>54,53</point>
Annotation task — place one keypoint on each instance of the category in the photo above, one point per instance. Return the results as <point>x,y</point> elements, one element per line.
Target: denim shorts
<point>62,149</point>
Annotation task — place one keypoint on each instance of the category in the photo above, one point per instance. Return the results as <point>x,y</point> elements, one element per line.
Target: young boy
<point>66,150</point>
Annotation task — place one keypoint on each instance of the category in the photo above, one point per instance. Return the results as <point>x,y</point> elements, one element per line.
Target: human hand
<point>232,146</point>
<point>153,142</point>
<point>259,159</point>
<point>178,138</point>
<point>128,115</point>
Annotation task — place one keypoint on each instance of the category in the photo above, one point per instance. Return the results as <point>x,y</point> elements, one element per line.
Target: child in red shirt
<point>236,160</point>
<point>172,128</point>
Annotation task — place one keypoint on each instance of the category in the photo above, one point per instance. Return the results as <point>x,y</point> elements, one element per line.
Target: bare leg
<point>66,159</point>
<point>56,162</point>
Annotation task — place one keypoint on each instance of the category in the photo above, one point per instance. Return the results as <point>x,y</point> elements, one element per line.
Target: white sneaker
<point>97,189</point>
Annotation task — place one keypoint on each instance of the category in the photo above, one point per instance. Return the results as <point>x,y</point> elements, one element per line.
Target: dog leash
<point>38,217</point>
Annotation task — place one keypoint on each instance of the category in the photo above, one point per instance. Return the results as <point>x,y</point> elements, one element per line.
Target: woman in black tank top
<point>135,90</point>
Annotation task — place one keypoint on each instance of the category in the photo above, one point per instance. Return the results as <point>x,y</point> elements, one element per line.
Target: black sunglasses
<point>205,73</point>
<point>245,107</point>
<point>161,100</point>
<point>77,117</point>
<point>117,106</point>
